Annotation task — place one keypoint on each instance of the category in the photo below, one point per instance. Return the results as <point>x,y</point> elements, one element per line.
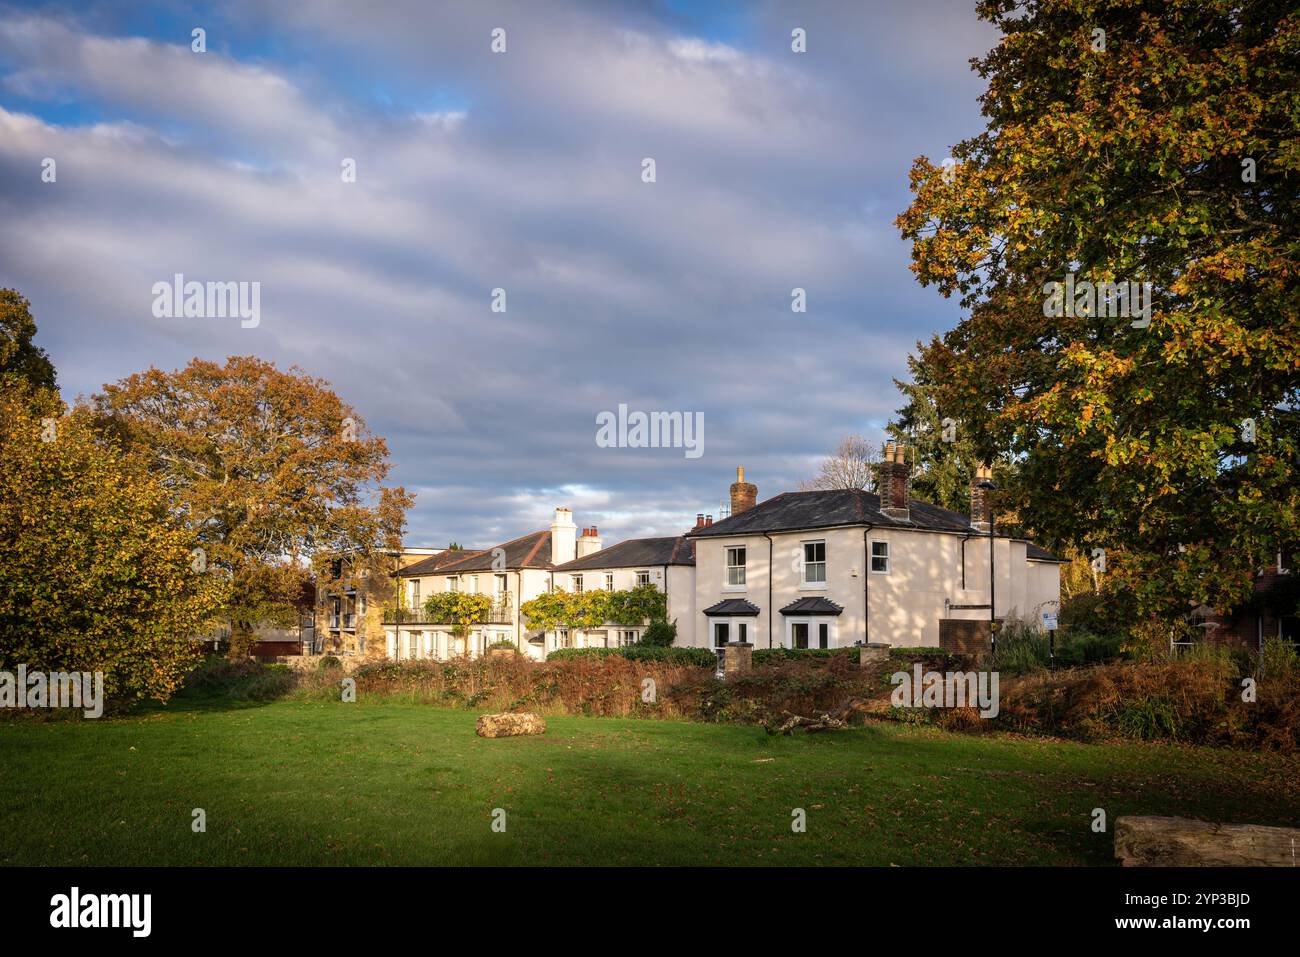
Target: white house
<point>823,569</point>
<point>666,563</point>
<point>829,569</point>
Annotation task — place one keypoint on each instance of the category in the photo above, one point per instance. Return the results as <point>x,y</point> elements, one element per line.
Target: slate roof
<point>828,509</point>
<point>528,551</point>
<point>637,553</point>
<point>834,508</point>
<point>1036,553</point>
<point>812,606</point>
<point>731,606</point>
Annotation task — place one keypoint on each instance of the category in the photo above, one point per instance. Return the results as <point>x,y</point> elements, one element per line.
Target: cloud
<point>478,171</point>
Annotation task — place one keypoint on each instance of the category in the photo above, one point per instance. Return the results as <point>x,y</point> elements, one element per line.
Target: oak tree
<point>1124,236</point>
<point>269,470</point>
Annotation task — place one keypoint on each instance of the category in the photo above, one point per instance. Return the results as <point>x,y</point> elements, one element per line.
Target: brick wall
<point>963,636</point>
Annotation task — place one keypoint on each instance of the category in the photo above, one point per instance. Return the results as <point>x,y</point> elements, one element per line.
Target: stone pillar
<point>739,658</point>
<point>872,652</point>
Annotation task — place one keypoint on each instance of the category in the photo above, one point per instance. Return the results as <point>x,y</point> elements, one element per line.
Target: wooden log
<point>509,725</point>
<point>1182,842</point>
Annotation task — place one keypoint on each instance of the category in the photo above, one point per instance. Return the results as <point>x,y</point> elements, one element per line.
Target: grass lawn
<point>297,782</point>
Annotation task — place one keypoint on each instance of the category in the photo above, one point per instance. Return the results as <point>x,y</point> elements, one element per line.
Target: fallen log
<point>1181,842</point>
<point>509,725</point>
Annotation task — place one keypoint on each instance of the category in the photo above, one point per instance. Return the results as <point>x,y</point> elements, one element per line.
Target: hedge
<point>702,657</point>
<point>764,656</point>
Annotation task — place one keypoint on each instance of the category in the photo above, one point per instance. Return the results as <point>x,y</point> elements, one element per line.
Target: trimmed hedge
<point>767,656</point>
<point>701,657</point>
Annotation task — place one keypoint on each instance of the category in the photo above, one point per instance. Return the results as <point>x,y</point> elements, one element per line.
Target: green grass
<point>297,782</point>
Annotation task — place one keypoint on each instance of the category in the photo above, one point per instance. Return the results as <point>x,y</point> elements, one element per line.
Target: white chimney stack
<point>588,542</point>
<point>564,542</point>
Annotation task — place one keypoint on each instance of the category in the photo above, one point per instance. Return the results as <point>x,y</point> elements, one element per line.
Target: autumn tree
<point>270,471</point>
<point>1124,236</point>
<point>851,465</point>
<point>98,575</point>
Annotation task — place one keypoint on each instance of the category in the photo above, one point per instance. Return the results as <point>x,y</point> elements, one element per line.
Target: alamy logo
<point>1101,300</point>
<point>59,689</point>
<point>956,689</point>
<point>651,430</point>
<point>103,910</point>
<point>214,300</point>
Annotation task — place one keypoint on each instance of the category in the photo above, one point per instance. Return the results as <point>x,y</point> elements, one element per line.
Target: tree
<point>1129,143</point>
<point>98,575</point>
<point>946,458</point>
<point>851,465</point>
<point>20,359</point>
<point>269,471</point>
<point>460,610</point>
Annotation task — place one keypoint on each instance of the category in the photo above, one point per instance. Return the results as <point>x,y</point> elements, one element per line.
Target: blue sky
<point>478,171</point>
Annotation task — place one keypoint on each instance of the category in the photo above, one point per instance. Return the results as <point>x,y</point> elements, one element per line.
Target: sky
<point>522,171</point>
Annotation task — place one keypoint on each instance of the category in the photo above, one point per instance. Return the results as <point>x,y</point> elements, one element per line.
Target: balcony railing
<point>499,613</point>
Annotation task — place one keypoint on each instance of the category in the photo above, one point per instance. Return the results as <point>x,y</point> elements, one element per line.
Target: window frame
<point>643,577</point>
<point>872,556</point>
<point>804,580</point>
<point>731,568</point>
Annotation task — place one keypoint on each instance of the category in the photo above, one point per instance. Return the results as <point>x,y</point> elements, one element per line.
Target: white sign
<point>1049,620</point>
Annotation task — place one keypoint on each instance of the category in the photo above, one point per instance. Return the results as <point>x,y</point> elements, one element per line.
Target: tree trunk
<point>241,639</point>
<point>1181,842</point>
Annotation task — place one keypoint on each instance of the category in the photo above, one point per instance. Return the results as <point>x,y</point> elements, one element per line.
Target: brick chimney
<point>563,537</point>
<point>744,495</point>
<point>699,520</point>
<point>892,480</point>
<point>979,499</point>
<point>588,541</point>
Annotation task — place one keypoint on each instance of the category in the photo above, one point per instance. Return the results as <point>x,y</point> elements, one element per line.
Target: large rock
<point>509,725</point>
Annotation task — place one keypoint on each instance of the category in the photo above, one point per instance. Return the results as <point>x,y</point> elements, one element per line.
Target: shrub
<point>767,656</point>
<point>660,634</point>
<point>607,685</point>
<point>1080,647</point>
<point>329,661</point>
<point>1278,659</point>
<point>1194,699</point>
<point>504,643</point>
<point>701,657</point>
<point>1022,648</point>
<point>243,680</point>
<point>1094,613</point>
